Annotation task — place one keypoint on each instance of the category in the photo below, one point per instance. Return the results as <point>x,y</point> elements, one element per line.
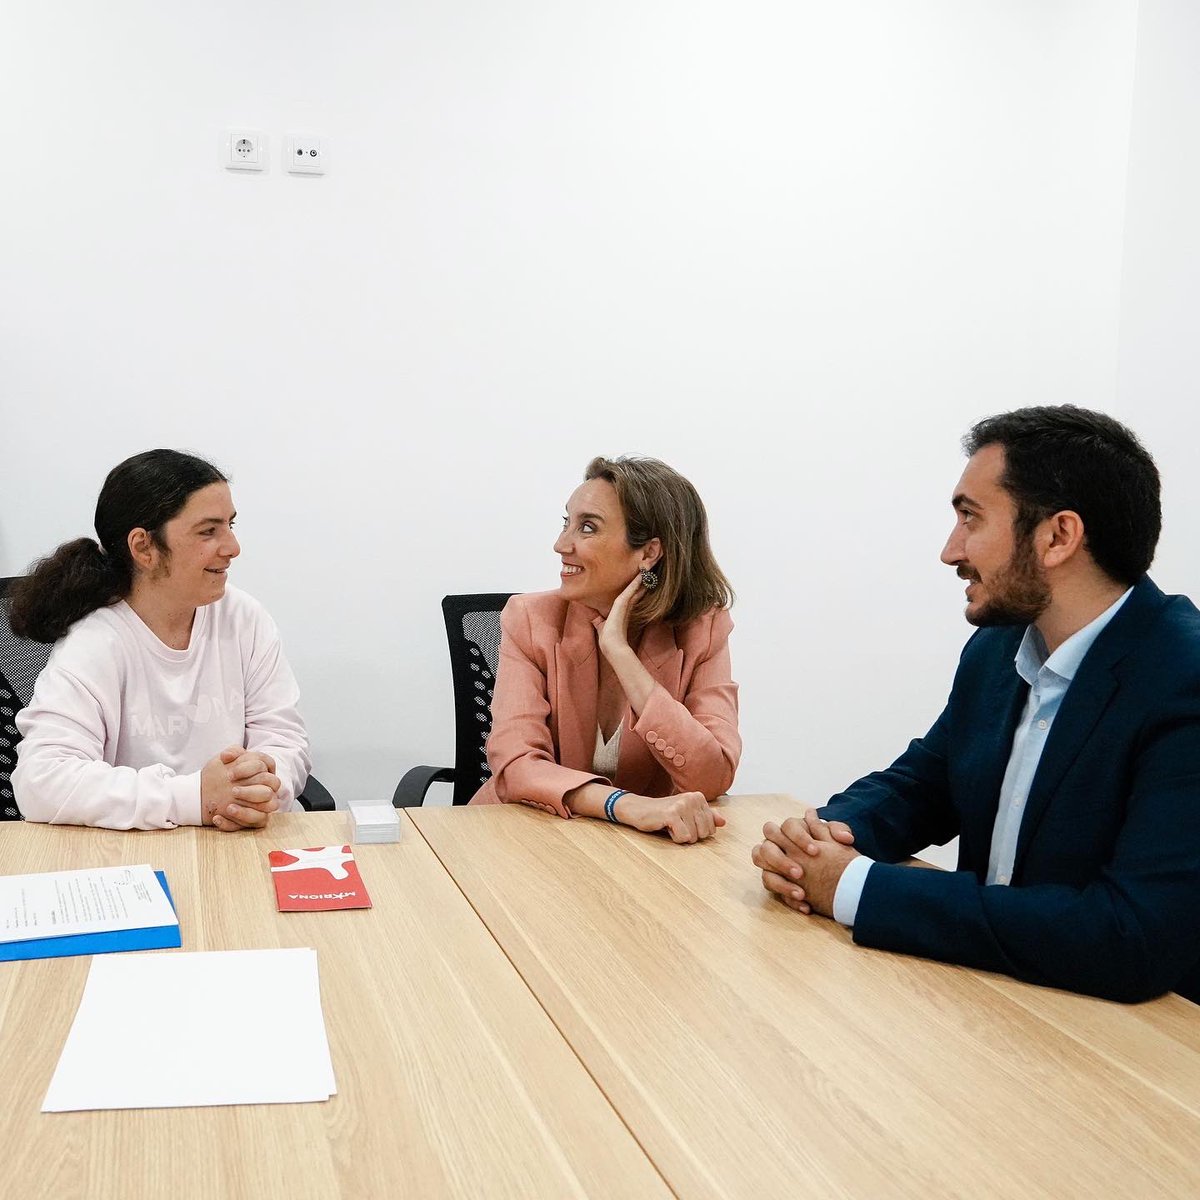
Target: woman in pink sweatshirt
<point>167,699</point>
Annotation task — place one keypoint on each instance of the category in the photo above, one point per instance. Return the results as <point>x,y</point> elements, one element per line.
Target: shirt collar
<point>1064,662</point>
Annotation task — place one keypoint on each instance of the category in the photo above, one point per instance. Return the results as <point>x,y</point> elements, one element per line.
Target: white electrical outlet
<point>306,154</point>
<point>245,150</point>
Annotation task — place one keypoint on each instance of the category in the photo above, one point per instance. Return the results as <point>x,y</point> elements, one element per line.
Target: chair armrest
<point>315,798</point>
<point>410,791</point>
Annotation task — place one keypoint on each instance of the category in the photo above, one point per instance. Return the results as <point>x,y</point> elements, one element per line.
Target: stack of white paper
<point>374,823</point>
<point>171,1031</point>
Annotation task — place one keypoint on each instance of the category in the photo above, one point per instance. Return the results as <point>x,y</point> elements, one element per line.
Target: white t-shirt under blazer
<point>120,725</point>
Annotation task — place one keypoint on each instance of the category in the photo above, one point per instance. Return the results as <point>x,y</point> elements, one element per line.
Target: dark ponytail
<point>143,492</point>
<point>77,578</point>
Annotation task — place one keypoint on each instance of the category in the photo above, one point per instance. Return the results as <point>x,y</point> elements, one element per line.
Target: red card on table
<point>317,879</point>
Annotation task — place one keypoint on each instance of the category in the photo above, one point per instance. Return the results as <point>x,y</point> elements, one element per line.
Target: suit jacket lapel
<point>1001,711</point>
<point>577,688</point>
<point>1091,691</point>
<point>1088,696</point>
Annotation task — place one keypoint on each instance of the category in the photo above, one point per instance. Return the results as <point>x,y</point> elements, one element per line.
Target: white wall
<point>1159,378</point>
<point>793,248</point>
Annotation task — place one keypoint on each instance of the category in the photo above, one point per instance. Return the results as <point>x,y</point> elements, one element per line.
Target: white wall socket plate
<point>306,154</point>
<point>245,150</point>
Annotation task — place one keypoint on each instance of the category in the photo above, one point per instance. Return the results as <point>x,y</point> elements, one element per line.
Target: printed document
<point>96,900</point>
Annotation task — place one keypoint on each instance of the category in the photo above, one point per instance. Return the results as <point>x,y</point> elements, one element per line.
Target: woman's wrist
<point>610,805</point>
<point>605,802</point>
<point>588,799</point>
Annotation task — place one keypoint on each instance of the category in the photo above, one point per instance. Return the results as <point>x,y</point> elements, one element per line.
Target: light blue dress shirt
<point>1049,677</point>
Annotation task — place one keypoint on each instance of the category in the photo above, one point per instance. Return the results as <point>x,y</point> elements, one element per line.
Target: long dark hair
<point>143,492</point>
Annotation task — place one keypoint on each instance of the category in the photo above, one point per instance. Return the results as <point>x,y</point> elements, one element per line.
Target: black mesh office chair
<point>21,662</point>
<point>473,633</point>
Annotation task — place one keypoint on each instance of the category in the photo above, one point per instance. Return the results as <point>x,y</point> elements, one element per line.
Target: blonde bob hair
<point>657,502</point>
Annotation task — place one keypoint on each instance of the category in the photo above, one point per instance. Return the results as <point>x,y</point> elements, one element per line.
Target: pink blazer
<point>544,707</point>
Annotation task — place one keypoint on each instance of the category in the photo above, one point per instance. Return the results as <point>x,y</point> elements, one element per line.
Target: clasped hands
<point>802,860</point>
<point>238,790</point>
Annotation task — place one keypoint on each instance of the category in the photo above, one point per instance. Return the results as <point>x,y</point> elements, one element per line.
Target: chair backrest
<point>473,631</point>
<point>21,661</point>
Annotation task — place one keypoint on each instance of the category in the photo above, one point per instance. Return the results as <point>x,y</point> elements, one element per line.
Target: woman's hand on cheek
<point>614,634</point>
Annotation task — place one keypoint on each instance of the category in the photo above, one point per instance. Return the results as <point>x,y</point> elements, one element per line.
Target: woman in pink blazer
<point>613,697</point>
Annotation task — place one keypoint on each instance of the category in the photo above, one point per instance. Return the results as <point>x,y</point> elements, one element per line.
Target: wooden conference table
<point>542,1008</point>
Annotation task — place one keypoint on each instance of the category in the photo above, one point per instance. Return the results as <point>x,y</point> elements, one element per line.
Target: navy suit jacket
<point>1105,893</point>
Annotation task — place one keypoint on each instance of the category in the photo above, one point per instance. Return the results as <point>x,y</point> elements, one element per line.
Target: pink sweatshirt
<point>120,725</point>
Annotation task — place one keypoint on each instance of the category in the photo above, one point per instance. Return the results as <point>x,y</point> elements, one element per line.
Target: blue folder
<point>160,937</point>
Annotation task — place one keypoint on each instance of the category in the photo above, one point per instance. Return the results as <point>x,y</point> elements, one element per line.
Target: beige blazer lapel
<point>577,688</point>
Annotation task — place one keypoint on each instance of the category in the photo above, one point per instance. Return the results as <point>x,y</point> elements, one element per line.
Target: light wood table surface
<point>452,1081</point>
<point>755,1052</point>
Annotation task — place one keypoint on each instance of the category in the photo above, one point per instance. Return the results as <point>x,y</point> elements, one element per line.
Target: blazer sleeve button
<point>652,737</point>
<point>680,761</point>
<point>661,744</point>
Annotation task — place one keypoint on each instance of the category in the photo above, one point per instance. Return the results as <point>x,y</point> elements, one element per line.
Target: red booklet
<point>316,879</point>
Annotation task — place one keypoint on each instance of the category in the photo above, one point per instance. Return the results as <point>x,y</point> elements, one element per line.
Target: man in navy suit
<point>1067,759</point>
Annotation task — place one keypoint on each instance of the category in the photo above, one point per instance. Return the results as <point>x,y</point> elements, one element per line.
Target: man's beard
<point>1019,592</point>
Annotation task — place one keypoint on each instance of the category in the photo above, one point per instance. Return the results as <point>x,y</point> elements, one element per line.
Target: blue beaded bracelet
<point>610,805</point>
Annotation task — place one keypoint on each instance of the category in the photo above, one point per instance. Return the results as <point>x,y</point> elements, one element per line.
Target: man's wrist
<point>849,890</point>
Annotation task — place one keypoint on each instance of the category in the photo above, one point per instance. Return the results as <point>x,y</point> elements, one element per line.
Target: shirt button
<point>1002,879</point>
<point>1042,724</point>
